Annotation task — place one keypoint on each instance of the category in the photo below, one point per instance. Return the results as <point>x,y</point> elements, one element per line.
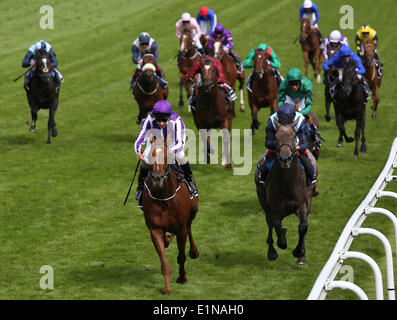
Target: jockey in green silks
<point>270,55</point>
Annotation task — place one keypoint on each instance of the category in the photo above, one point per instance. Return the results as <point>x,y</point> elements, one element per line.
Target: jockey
<point>287,114</point>
<point>230,94</point>
<point>142,45</point>
<point>270,55</point>
<point>30,60</point>
<point>367,33</point>
<point>206,18</point>
<point>221,33</point>
<point>160,122</point>
<point>298,91</point>
<point>190,23</point>
<point>333,43</point>
<point>309,10</point>
<point>339,60</point>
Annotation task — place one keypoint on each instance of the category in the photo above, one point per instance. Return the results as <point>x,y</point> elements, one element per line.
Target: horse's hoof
<point>193,253</point>
<point>228,167</point>
<point>298,254</point>
<point>54,133</point>
<point>340,144</point>
<point>355,157</point>
<point>180,103</point>
<point>349,139</point>
<point>32,129</point>
<point>48,142</point>
<point>328,118</point>
<point>168,292</point>
<point>272,254</point>
<point>373,115</point>
<point>242,109</point>
<point>301,261</point>
<point>363,148</point>
<point>181,279</point>
<point>252,132</point>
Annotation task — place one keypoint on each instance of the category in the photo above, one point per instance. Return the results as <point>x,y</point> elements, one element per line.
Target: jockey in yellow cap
<point>366,33</point>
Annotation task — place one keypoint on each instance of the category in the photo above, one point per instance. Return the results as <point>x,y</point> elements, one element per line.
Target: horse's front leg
<point>181,239</point>
<point>241,87</point>
<point>375,100</point>
<point>32,123</point>
<point>271,251</point>
<point>226,144</point>
<point>363,147</point>
<point>181,90</point>
<point>306,59</point>
<point>327,103</point>
<point>300,251</point>
<point>254,115</point>
<point>51,125</point>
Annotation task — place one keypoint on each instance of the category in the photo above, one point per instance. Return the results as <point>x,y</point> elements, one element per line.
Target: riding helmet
<point>144,37</point>
<point>162,109</point>
<point>294,74</point>
<point>344,51</point>
<point>203,11</point>
<point>219,28</point>
<point>286,113</point>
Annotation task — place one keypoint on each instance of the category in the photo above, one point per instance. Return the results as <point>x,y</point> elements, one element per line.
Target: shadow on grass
<point>117,138</point>
<point>22,139</point>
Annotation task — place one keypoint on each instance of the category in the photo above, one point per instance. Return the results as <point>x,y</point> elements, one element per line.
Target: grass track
<point>61,205</point>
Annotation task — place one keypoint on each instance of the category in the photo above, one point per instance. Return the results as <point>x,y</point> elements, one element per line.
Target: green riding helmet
<point>294,74</point>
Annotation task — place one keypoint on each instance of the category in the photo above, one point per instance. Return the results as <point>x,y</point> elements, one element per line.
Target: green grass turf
<point>61,204</point>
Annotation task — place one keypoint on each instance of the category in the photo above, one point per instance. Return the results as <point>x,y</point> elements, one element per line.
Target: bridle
<point>305,30</point>
<point>264,68</point>
<point>184,51</point>
<point>208,83</point>
<point>292,148</point>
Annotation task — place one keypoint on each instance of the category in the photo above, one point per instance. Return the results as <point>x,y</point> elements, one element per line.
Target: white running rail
<point>325,281</point>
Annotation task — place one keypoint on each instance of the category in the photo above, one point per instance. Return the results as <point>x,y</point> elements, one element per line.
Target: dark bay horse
<point>230,70</point>
<point>212,111</point>
<point>329,78</point>
<point>264,88</point>
<point>167,207</point>
<point>43,94</point>
<point>310,44</point>
<point>285,193</point>
<point>350,105</point>
<point>147,90</point>
<point>188,55</point>
<point>371,74</point>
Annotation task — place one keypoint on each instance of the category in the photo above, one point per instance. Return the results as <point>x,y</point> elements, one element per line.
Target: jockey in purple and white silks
<point>333,43</point>
<point>219,33</point>
<point>30,61</point>
<point>160,123</point>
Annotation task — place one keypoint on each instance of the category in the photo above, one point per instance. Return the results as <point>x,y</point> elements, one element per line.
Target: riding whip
<point>129,190</point>
<point>22,74</point>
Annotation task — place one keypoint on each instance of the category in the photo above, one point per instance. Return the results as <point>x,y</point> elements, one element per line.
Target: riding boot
<point>249,82</point>
<point>141,184</point>
<point>237,61</point>
<point>134,78</point>
<point>366,89</point>
<point>192,99</point>
<point>230,94</point>
<point>189,178</point>
<point>59,76</point>
<point>311,178</point>
<point>278,75</point>
<point>263,171</point>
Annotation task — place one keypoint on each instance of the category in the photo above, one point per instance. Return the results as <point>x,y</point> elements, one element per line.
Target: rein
<point>145,92</point>
<point>163,199</point>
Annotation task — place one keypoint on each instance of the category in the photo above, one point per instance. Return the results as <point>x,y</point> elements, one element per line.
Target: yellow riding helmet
<point>365,28</point>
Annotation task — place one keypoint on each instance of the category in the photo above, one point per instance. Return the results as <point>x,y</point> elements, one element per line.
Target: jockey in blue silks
<point>30,60</point>
<point>161,122</point>
<point>309,10</point>
<point>287,114</point>
<point>142,45</point>
<point>206,18</point>
<point>338,60</point>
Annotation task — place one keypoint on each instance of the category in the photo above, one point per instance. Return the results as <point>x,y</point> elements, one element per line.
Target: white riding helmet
<point>307,4</point>
<point>335,36</point>
<point>186,16</point>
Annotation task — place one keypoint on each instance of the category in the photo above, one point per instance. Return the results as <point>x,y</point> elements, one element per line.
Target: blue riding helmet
<point>345,51</point>
<point>286,113</point>
<point>144,37</point>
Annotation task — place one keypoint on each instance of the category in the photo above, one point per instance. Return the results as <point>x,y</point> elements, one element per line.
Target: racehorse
<point>350,104</point>
<point>230,71</point>
<point>285,193</point>
<point>43,93</point>
<point>212,111</point>
<point>147,90</point>
<point>310,44</point>
<point>264,88</point>
<point>329,78</point>
<point>188,55</point>
<point>371,74</point>
<point>167,207</point>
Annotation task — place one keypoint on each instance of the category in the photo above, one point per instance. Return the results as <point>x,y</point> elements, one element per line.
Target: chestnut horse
<point>230,71</point>
<point>147,90</point>
<point>285,192</point>
<point>167,207</point>
<point>212,111</point>
<point>188,55</point>
<point>371,74</point>
<point>310,44</point>
<point>43,94</point>
<point>264,88</point>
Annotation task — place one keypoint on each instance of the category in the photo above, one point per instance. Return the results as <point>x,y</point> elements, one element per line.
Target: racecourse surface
<point>61,205</point>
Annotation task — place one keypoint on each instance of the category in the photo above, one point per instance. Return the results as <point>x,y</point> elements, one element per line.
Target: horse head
<point>369,52</point>
<point>43,65</point>
<point>159,169</point>
<point>148,67</point>
<point>305,29</point>
<point>349,75</point>
<point>260,63</point>
<point>285,143</point>
<point>186,42</point>
<point>218,49</point>
<point>209,76</point>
